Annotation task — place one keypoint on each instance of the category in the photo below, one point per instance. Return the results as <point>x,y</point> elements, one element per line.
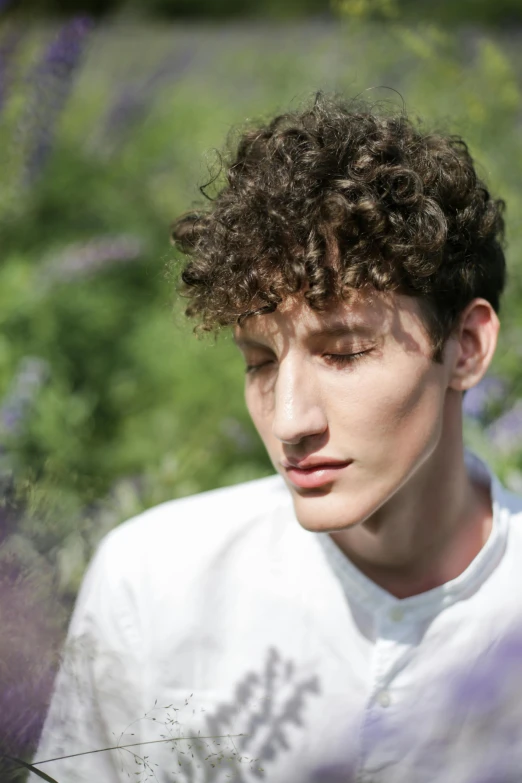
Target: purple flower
<point>52,80</point>
<point>477,399</point>
<point>505,433</point>
<point>29,654</point>
<point>134,100</point>
<point>484,684</point>
<point>86,258</point>
<point>478,689</point>
<point>29,378</point>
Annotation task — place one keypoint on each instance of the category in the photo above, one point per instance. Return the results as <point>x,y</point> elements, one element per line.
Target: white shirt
<point>221,612</point>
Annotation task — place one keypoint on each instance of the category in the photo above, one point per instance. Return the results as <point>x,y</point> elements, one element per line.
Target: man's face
<point>348,402</point>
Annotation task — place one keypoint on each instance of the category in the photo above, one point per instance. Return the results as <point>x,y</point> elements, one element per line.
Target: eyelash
<point>339,359</point>
<point>250,369</point>
<point>344,358</point>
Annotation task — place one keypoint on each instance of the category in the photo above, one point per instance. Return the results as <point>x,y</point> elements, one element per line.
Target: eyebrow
<point>342,329</point>
<point>336,329</point>
<point>247,342</point>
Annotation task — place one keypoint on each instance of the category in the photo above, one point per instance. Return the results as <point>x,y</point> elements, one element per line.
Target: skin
<point>404,511</point>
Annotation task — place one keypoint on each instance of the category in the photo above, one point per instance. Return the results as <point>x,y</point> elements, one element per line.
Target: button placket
<point>393,634</point>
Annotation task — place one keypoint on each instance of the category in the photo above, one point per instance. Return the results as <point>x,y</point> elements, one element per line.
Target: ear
<point>475,340</point>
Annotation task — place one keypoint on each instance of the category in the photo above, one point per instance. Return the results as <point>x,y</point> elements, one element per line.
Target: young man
<point>356,616</point>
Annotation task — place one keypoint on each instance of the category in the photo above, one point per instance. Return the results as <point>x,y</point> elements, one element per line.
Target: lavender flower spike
<point>134,100</point>
<point>505,433</point>
<point>52,81</point>
<point>477,399</point>
<point>86,258</point>
<point>30,376</point>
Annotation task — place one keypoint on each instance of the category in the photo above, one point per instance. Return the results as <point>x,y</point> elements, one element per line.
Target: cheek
<point>399,403</point>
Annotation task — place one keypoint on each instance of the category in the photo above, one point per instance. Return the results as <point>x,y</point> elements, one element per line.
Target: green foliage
<point>132,409</point>
<point>34,770</point>
<point>135,409</point>
<point>502,12</point>
<point>191,9</point>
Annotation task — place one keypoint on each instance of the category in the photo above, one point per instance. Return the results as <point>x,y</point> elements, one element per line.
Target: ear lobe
<point>476,338</point>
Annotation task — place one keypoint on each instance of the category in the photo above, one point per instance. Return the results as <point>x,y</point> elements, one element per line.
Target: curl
<point>339,196</point>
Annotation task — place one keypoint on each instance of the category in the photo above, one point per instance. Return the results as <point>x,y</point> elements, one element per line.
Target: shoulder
<point>182,530</point>
<point>228,505</point>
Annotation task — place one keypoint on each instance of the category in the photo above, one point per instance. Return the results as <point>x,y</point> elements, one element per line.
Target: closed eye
<point>250,369</point>
<point>342,359</point>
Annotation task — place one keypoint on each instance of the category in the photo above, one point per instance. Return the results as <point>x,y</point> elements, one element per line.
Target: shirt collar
<point>376,599</point>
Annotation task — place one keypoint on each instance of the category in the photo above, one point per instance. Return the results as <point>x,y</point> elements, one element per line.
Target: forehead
<point>365,312</point>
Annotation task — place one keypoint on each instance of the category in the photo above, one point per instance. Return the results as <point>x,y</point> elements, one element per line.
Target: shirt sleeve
<point>99,686</point>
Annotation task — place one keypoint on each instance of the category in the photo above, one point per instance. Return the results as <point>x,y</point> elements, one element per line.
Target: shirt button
<point>397,614</point>
<point>384,699</point>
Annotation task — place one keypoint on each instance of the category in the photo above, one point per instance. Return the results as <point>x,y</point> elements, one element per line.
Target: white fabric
<point>220,614</point>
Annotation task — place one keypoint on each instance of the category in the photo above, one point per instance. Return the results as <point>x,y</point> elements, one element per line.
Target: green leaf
<point>30,767</point>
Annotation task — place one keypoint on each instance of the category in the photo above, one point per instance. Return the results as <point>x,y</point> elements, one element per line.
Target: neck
<point>429,531</point>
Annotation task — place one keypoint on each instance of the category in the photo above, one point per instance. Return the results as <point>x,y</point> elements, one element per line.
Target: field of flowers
<point>108,403</point>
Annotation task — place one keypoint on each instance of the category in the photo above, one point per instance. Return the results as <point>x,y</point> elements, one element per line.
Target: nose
<point>298,411</point>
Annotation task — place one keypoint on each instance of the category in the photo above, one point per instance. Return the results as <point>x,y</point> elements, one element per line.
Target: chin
<point>327,512</point>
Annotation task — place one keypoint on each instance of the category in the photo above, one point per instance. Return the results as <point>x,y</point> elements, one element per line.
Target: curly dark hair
<point>335,197</point>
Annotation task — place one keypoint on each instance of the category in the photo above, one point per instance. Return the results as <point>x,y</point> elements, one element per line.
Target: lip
<point>314,473</point>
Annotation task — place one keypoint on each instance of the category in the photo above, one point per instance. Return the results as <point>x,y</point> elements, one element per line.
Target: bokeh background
<point>111,112</point>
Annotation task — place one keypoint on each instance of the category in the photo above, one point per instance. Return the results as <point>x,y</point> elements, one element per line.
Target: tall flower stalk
<point>51,82</point>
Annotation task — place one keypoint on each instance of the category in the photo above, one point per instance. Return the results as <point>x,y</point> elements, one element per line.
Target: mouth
<point>316,475</point>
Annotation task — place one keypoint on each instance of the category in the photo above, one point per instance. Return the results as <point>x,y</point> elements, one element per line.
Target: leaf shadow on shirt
<point>265,704</point>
